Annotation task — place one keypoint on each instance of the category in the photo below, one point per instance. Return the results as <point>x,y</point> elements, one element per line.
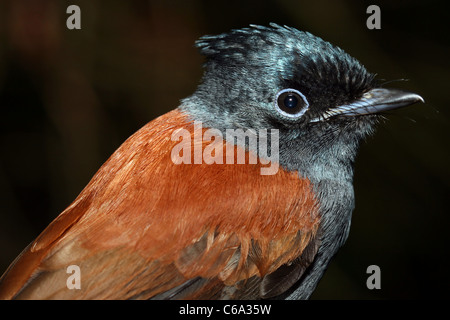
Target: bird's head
<point>322,100</point>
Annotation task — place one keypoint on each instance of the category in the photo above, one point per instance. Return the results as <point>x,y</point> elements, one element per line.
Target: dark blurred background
<point>69,98</point>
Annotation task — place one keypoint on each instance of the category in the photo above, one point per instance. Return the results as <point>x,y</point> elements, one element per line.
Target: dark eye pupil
<point>290,101</point>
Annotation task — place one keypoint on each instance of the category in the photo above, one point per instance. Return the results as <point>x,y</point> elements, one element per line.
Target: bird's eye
<point>291,103</point>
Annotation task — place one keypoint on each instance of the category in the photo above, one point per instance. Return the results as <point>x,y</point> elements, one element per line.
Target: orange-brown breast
<point>141,213</point>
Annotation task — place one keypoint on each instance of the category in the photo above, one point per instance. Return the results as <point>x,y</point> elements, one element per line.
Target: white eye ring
<point>298,103</point>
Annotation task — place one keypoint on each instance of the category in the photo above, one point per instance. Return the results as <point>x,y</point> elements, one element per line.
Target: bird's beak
<point>374,101</point>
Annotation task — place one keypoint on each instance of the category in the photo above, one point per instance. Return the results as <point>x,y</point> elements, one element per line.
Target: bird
<point>173,214</point>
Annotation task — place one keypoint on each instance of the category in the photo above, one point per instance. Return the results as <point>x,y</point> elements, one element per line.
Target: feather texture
<point>145,227</point>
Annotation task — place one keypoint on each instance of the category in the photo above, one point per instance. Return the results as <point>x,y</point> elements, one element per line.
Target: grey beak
<point>374,101</point>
